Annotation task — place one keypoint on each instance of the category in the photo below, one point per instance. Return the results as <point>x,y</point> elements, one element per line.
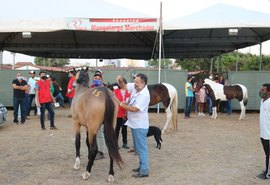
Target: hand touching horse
<point>91,108</point>
<point>165,93</point>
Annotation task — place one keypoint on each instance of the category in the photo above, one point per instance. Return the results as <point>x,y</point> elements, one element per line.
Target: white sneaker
<point>202,114</point>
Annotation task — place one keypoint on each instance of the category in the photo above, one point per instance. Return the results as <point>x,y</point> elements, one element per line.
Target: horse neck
<point>81,86</point>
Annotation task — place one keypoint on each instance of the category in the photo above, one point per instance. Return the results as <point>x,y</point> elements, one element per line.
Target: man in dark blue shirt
<point>19,87</point>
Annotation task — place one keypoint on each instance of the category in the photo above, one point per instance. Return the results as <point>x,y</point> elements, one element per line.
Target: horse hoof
<point>76,166</point>
<point>110,178</point>
<point>77,163</point>
<point>163,131</point>
<point>86,175</point>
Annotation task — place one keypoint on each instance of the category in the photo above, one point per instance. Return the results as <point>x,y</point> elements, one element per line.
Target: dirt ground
<point>203,151</point>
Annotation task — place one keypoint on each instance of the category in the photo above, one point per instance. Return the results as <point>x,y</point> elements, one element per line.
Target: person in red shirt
<point>122,95</point>
<point>44,100</point>
<point>71,88</point>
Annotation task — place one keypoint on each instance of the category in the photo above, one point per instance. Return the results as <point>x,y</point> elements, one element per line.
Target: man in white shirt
<point>32,84</point>
<point>138,121</point>
<point>265,127</point>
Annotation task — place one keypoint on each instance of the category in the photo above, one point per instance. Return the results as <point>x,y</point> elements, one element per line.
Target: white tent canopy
<point>220,16</point>
<point>202,34</point>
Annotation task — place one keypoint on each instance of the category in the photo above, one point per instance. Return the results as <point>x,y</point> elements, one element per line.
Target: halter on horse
<point>219,92</point>
<point>90,108</point>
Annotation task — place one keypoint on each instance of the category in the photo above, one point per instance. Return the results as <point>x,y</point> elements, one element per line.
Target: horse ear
<point>74,70</point>
<point>86,70</point>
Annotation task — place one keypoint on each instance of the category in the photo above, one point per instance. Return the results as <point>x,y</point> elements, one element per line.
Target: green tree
<point>226,62</point>
<point>165,63</point>
<point>53,62</point>
<point>195,64</point>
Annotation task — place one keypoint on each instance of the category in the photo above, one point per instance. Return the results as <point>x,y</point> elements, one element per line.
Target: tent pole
<point>211,65</point>
<point>159,51</point>
<point>237,58</point>
<point>13,66</point>
<point>1,59</point>
<point>260,56</point>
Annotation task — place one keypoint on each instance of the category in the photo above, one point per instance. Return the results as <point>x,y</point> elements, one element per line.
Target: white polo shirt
<point>130,87</point>
<point>140,118</point>
<point>32,83</point>
<point>265,119</point>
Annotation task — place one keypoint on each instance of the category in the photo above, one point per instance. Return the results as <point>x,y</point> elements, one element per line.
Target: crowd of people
<point>44,91</point>
<point>199,97</point>
<point>133,105</point>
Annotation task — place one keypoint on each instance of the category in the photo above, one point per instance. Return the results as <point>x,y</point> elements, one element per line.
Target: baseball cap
<point>32,72</point>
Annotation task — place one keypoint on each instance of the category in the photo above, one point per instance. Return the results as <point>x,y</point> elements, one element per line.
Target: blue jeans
<point>141,147</point>
<point>209,101</point>
<point>70,101</point>
<point>26,104</point>
<point>31,98</point>
<point>60,99</point>
<point>16,103</point>
<point>189,100</point>
<point>229,107</point>
<point>49,107</point>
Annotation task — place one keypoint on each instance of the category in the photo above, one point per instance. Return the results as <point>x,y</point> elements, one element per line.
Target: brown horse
<point>90,108</point>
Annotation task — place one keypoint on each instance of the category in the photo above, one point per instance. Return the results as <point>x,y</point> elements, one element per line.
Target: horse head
<point>82,77</point>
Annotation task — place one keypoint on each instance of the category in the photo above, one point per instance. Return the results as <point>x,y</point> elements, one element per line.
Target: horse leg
<point>214,112</point>
<point>77,146</point>
<point>243,110</point>
<point>169,118</point>
<point>92,152</point>
<point>111,172</point>
<point>214,108</point>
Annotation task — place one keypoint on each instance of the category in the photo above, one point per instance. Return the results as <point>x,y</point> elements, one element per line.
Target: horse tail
<point>246,97</point>
<point>109,134</point>
<point>175,110</point>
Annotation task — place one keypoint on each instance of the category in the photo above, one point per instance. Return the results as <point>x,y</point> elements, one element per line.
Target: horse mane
<point>82,78</point>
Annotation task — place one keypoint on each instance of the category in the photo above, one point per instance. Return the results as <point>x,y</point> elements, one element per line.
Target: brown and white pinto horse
<point>90,108</point>
<point>165,93</point>
<point>219,92</point>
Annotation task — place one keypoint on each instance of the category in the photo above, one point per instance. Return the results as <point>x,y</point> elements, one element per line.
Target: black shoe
<point>22,122</point>
<point>15,121</point>
<point>262,175</point>
<point>136,170</point>
<point>99,156</point>
<point>139,175</point>
<point>125,146</point>
<point>69,116</point>
<point>43,128</point>
<point>53,128</point>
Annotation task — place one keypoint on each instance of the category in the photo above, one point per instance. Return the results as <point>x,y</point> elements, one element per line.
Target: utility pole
<point>13,66</point>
